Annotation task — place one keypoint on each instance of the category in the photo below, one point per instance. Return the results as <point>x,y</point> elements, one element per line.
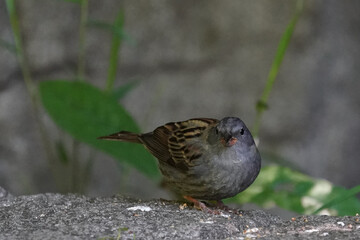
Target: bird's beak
<point>229,142</point>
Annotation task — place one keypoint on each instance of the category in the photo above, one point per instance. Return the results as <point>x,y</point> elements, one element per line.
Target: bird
<point>202,159</point>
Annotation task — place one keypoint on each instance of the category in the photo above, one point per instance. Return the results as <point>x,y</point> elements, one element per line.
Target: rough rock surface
<point>56,216</point>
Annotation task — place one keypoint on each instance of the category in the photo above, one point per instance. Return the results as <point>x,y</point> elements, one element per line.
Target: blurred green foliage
<point>280,186</point>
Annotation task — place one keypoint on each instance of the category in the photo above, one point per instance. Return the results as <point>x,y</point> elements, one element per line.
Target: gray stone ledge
<point>56,216</point>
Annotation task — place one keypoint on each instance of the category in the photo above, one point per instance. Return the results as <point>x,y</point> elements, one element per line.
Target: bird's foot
<point>201,206</point>
<point>222,206</point>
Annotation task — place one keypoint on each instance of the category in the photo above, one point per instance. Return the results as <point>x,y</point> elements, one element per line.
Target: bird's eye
<point>242,131</point>
<point>216,131</point>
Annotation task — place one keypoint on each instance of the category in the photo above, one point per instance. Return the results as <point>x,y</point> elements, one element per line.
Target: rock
<point>56,216</point>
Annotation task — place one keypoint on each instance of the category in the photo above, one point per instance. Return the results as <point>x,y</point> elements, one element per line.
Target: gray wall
<point>195,59</point>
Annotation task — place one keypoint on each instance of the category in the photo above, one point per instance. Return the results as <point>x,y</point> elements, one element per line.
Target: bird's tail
<point>123,136</point>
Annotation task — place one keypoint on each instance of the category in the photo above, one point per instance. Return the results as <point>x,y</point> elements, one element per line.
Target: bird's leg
<point>222,206</point>
<point>201,206</point>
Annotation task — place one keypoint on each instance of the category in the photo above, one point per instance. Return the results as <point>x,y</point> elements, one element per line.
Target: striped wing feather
<point>177,143</point>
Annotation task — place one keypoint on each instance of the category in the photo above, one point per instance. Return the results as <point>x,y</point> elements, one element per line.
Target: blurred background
<point>191,59</point>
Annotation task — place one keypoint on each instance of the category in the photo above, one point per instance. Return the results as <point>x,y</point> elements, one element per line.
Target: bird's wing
<point>178,143</point>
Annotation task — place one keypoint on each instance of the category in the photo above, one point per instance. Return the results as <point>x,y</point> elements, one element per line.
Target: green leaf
<point>87,113</point>
<point>340,198</point>
<point>294,191</point>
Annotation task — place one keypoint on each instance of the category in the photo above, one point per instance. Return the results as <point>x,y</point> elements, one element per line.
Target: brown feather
<point>176,142</point>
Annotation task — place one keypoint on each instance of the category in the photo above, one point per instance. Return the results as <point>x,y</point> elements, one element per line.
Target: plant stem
<point>14,21</point>
<point>75,163</point>
<point>74,166</point>
<point>114,50</point>
<point>261,105</point>
<point>82,37</point>
<point>29,83</point>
